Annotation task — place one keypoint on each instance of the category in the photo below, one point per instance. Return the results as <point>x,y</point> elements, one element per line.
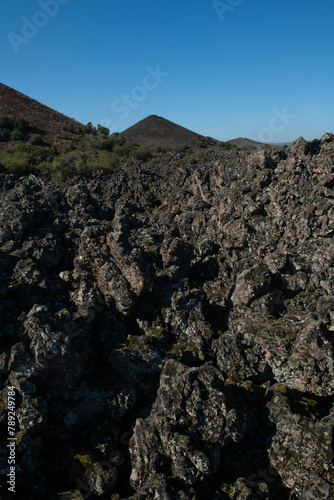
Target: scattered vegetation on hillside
<point>24,159</point>
<point>227,145</point>
<point>201,142</point>
<point>231,145</point>
<point>13,128</point>
<point>98,151</point>
<point>84,149</point>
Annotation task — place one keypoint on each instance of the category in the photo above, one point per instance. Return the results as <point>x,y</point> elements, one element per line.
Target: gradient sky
<point>253,68</point>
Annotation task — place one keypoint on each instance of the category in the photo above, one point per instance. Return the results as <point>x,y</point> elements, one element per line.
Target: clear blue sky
<point>252,68</point>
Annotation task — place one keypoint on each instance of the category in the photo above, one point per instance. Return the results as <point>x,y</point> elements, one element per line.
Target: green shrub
<point>64,165</point>
<point>16,135</point>
<point>162,149</point>
<point>4,135</point>
<point>118,139</point>
<point>227,145</point>
<point>154,162</point>
<point>5,123</point>
<point>69,127</point>
<point>89,129</point>
<point>186,148</point>
<point>103,130</point>
<point>20,124</point>
<point>106,162</point>
<point>143,153</point>
<point>188,160</point>
<point>125,150</point>
<point>14,128</point>
<point>18,160</point>
<point>100,141</point>
<point>79,130</point>
<point>193,159</point>
<point>201,141</point>
<point>201,158</point>
<point>24,159</point>
<point>36,140</point>
<point>73,163</point>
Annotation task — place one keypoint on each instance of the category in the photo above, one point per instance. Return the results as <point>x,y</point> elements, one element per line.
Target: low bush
<point>36,140</point>
<point>24,159</point>
<point>4,135</point>
<point>100,141</point>
<point>200,141</point>
<point>103,130</point>
<point>227,145</point>
<point>13,128</point>
<point>125,150</point>
<point>162,149</point>
<point>118,139</point>
<point>188,160</point>
<point>193,159</point>
<point>72,163</point>
<point>20,124</point>
<point>143,153</point>
<point>69,127</point>
<point>154,162</point>
<point>16,135</point>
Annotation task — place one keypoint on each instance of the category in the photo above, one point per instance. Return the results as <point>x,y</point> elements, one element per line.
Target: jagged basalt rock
<point>168,328</point>
<point>192,419</point>
<point>301,450</point>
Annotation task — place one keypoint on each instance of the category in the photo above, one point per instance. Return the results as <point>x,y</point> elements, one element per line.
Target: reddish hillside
<point>38,115</point>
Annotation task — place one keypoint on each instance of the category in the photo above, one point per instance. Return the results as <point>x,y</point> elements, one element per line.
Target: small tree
<point>89,129</point>
<point>103,130</point>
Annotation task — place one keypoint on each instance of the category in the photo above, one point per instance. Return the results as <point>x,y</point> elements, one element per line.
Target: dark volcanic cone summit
<point>157,131</point>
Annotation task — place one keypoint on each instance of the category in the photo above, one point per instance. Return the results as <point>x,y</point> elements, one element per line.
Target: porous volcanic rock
<point>168,328</point>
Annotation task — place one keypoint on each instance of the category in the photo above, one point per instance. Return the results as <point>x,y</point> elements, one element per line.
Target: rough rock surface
<point>169,328</point>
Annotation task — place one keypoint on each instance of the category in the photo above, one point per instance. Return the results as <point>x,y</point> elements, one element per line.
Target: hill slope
<point>38,115</point>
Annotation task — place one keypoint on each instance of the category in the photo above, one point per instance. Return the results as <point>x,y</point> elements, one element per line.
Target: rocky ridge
<point>168,328</point>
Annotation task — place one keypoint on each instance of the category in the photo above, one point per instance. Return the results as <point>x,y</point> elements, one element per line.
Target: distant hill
<point>242,142</point>
<point>157,131</point>
<point>38,115</point>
